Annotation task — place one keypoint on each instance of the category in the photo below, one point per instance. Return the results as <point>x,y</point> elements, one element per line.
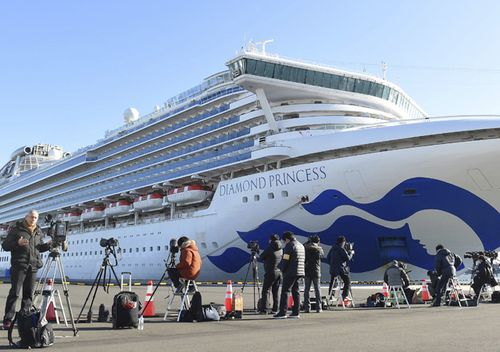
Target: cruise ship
<point>268,145</point>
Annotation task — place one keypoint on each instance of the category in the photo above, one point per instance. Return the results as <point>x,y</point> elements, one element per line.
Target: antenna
<point>384,70</point>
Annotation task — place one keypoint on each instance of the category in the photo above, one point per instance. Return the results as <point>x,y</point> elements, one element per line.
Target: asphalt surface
<point>355,329</point>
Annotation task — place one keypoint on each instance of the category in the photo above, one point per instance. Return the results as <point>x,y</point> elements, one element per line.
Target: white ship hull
<point>369,214</point>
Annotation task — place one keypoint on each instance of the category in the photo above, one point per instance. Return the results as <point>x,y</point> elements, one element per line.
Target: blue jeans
<point>307,303</point>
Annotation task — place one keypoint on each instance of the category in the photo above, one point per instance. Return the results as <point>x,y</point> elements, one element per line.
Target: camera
<point>475,255</point>
<point>254,246</point>
<point>349,247</point>
<point>108,242</point>
<point>173,246</point>
<point>56,231</point>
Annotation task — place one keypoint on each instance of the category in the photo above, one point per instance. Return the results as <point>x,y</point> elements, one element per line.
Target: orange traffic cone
<point>228,301</point>
<point>51,311</point>
<point>290,302</point>
<point>149,304</point>
<point>425,291</point>
<point>385,290</point>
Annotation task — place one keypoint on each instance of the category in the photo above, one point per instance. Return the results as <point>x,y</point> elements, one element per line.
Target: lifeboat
<point>71,217</point>
<point>189,194</point>
<point>92,213</point>
<point>148,201</point>
<point>118,208</point>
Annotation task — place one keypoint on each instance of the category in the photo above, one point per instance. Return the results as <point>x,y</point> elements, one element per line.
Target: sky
<point>69,69</point>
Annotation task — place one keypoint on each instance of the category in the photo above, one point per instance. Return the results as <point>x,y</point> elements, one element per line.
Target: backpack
<point>31,331</point>
<point>376,300</point>
<point>196,309</point>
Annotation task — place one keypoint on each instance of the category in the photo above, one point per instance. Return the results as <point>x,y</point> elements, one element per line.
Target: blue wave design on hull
<point>232,260</point>
<point>403,201</point>
<point>430,194</point>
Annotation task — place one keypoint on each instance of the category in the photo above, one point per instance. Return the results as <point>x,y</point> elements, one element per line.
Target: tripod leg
<point>154,291</point>
<point>66,294</point>
<point>95,286</point>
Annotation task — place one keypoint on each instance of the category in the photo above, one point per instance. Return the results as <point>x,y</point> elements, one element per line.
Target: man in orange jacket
<point>189,266</point>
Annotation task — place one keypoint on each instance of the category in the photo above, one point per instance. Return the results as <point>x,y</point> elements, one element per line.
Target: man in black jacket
<point>339,259</point>
<point>24,241</point>
<point>292,266</point>
<point>272,274</point>
<point>314,253</point>
<point>483,275</point>
<point>446,265</point>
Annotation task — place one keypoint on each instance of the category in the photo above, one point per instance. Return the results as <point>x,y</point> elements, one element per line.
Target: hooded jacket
<point>314,253</point>
<point>396,276</point>
<point>447,262</point>
<point>272,257</point>
<point>190,262</point>
<point>24,256</point>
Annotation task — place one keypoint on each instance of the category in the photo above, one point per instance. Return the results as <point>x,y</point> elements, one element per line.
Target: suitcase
<point>126,306</point>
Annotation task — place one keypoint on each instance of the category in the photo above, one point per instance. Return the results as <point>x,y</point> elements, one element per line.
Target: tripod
<point>101,277</point>
<point>255,273</point>
<point>54,260</point>
<point>169,263</point>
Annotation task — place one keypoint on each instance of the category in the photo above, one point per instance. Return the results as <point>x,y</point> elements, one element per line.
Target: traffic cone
<point>425,291</point>
<point>228,301</point>
<point>51,311</point>
<point>290,302</point>
<point>385,290</point>
<point>149,304</point>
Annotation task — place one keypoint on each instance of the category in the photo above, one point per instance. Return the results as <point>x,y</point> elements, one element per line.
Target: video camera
<point>56,231</point>
<point>108,242</point>
<point>174,248</point>
<point>349,247</point>
<point>475,255</point>
<point>254,247</point>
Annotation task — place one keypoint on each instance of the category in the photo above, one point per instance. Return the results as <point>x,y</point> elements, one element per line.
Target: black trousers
<point>174,275</point>
<point>24,278</point>
<point>441,286</point>
<point>272,280</point>
<point>290,284</point>
<point>477,285</point>
<point>347,285</point>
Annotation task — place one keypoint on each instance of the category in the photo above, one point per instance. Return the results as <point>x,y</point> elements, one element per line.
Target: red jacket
<point>190,263</point>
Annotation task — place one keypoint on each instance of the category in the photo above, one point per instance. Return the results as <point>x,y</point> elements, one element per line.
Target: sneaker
<point>7,324</point>
<point>280,316</point>
<point>294,316</point>
<point>319,310</point>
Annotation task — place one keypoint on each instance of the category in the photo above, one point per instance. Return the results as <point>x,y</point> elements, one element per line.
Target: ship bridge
<point>277,79</point>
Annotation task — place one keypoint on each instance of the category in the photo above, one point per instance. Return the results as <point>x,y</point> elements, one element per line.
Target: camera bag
<point>33,333</point>
<point>126,306</point>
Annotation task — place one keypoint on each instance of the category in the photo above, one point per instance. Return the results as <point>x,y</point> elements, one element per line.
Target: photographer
<point>483,275</point>
<point>446,267</point>
<point>272,274</point>
<point>339,258</point>
<point>314,253</point>
<point>24,241</point>
<point>396,275</point>
<point>189,265</point>
<point>292,266</point>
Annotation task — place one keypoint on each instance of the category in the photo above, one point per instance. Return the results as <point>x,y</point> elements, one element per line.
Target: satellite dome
<point>130,115</point>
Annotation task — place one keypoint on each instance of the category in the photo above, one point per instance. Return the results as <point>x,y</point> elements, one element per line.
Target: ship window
<point>87,241</point>
<point>85,253</point>
<point>294,72</point>
<point>144,249</point>
<point>76,242</point>
<point>150,249</point>
<point>244,199</point>
<point>203,245</point>
<point>270,195</point>
<point>256,197</point>
<point>166,248</point>
<point>215,244</point>
<point>100,252</point>
<point>130,250</point>
<point>158,248</point>
<point>269,70</point>
<point>95,253</point>
<point>137,250</point>
<point>284,193</point>
<point>309,77</point>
